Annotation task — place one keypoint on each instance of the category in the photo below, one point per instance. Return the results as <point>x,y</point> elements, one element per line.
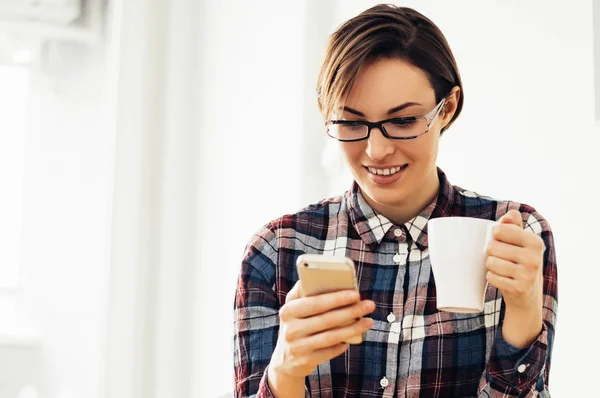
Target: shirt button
<point>384,382</point>
<point>391,317</point>
<point>398,232</point>
<point>522,368</point>
<point>397,258</point>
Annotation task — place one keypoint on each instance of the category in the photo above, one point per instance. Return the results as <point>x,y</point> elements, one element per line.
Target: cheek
<point>422,150</point>
<point>352,152</point>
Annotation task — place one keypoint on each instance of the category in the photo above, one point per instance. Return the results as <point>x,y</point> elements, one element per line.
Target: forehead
<point>386,83</point>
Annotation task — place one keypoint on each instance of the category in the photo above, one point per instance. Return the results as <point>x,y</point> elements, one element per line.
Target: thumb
<point>512,217</point>
<point>295,293</point>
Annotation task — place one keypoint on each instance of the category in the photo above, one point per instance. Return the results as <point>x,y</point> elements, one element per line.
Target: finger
<point>332,337</point>
<point>501,267</point>
<point>508,252</point>
<point>512,217</point>
<point>295,293</point>
<point>329,320</point>
<point>502,283</point>
<point>534,242</point>
<point>511,234</point>
<point>309,306</point>
<point>325,354</point>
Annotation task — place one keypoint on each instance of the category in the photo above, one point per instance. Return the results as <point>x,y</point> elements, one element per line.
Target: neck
<point>412,205</point>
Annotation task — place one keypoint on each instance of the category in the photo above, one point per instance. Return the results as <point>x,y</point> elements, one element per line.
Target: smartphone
<point>324,274</point>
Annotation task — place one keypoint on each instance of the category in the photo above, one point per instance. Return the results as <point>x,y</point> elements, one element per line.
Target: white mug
<point>457,248</point>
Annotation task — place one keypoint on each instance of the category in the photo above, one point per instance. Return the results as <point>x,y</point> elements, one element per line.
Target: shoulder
<point>310,223</point>
<point>313,217</point>
<point>473,204</point>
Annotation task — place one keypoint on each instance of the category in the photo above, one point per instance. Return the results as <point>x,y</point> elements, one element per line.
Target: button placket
<point>402,254</point>
<point>522,368</point>
<point>384,382</point>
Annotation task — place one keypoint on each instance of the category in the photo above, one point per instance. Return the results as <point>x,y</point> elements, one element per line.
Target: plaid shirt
<point>412,350</point>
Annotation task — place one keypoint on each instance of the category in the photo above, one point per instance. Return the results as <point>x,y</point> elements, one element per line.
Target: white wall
<point>251,156</point>
<point>67,180</point>
<point>527,133</point>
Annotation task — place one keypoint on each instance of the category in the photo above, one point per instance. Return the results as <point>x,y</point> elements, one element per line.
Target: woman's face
<point>381,86</point>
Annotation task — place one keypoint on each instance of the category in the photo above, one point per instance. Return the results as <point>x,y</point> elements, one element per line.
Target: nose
<point>378,146</point>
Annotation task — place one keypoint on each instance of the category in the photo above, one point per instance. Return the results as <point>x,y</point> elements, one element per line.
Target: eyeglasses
<point>399,128</point>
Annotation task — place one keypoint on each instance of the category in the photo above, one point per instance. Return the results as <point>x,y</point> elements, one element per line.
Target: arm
<point>256,323</point>
<point>276,348</point>
<point>520,360</point>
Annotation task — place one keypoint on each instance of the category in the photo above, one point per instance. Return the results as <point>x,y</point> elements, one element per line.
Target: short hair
<point>386,31</point>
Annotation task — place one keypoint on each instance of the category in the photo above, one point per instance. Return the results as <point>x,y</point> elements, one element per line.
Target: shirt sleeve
<point>512,372</point>
<point>256,319</point>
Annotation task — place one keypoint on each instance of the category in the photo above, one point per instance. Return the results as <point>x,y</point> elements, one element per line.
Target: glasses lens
<point>406,127</point>
<point>347,131</point>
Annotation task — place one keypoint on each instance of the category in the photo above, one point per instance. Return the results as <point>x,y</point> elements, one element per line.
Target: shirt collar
<point>372,227</point>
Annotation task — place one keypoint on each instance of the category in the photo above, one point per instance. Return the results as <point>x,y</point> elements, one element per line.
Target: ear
<point>450,106</point>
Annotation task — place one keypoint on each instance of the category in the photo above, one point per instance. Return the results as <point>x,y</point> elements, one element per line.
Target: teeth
<point>385,172</point>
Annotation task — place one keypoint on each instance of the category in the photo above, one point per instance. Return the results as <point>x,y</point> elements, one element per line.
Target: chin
<point>394,198</point>
<point>392,195</point>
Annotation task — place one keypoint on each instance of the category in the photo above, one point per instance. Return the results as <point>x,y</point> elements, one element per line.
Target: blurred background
<point>142,142</point>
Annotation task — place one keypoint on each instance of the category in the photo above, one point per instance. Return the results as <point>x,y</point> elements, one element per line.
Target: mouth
<point>387,171</point>
<point>387,175</point>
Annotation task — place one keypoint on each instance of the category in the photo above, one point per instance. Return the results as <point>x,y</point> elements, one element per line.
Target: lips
<point>386,175</point>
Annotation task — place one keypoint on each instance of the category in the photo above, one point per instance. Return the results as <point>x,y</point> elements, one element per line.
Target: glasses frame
<point>429,118</point>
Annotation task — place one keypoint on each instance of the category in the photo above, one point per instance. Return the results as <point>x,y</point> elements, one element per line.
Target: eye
<point>349,125</point>
<point>402,123</point>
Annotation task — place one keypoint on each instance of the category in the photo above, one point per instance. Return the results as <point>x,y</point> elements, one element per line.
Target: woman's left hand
<point>515,262</point>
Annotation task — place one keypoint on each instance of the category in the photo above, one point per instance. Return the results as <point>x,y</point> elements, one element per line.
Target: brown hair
<point>386,31</point>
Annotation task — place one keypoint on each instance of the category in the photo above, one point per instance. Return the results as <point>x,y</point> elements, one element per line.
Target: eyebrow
<point>391,111</point>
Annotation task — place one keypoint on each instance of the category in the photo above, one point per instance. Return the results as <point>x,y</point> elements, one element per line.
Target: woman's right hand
<point>310,331</point>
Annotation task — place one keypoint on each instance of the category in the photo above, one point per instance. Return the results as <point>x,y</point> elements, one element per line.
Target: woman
<point>388,89</point>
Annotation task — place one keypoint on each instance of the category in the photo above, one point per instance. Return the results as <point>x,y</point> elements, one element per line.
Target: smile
<point>385,172</point>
